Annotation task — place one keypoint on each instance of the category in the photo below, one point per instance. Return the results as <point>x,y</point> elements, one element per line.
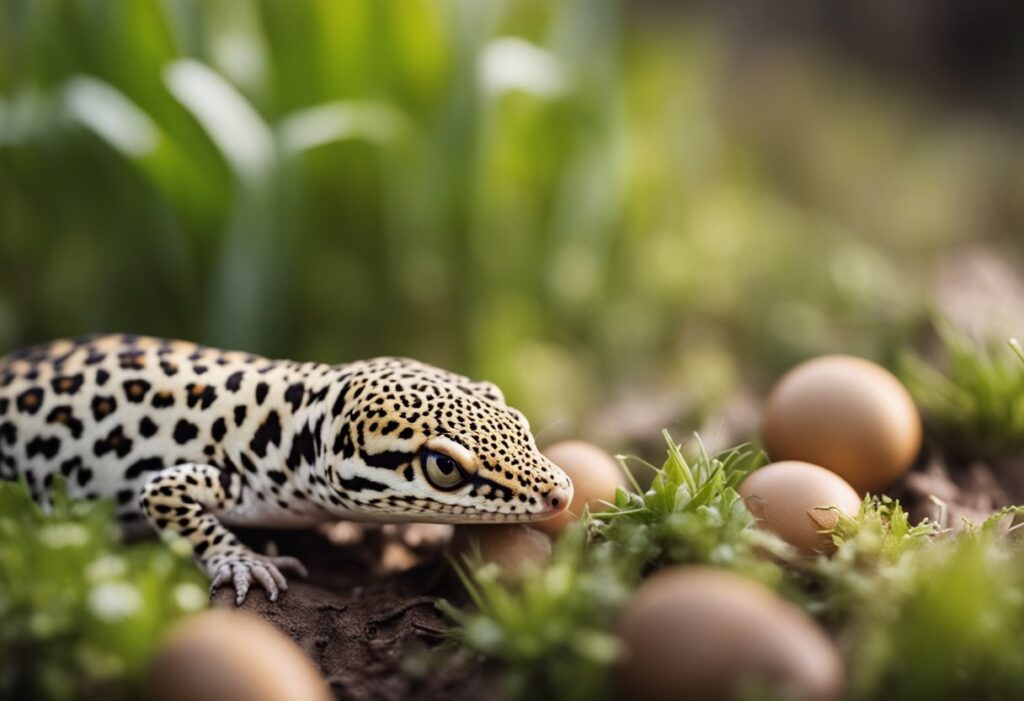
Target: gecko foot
<point>265,570</point>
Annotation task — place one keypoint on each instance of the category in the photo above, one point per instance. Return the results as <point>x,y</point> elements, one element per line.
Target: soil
<point>366,616</point>
<point>954,492</point>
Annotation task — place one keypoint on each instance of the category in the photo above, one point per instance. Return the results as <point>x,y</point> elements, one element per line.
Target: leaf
<point>234,126</point>
<point>106,111</point>
<point>375,122</point>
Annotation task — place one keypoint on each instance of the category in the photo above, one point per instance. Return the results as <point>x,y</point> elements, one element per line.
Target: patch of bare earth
<point>366,616</point>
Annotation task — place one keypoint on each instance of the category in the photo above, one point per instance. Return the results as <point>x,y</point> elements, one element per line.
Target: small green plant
<point>82,612</point>
<point>974,405</point>
<point>548,627</point>
<point>869,550</point>
<point>692,513</point>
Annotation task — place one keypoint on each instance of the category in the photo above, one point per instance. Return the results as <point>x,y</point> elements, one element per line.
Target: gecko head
<point>414,442</point>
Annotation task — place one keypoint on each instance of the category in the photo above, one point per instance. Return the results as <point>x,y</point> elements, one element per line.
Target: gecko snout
<point>557,499</point>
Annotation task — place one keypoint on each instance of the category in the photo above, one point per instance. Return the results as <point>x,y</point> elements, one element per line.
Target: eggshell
<point>595,476</point>
<point>510,546</point>
<point>223,655</point>
<point>785,497</point>
<point>698,633</point>
<point>846,414</point>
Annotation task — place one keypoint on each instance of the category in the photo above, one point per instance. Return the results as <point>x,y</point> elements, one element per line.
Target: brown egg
<point>224,655</point>
<point>786,498</point>
<point>595,476</point>
<point>699,633</point>
<point>846,414</point>
<point>510,546</point>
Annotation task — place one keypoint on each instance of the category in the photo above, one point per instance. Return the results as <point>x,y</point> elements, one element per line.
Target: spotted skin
<point>190,440</point>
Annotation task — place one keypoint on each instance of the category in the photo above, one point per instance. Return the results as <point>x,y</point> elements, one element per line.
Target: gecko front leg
<point>182,500</point>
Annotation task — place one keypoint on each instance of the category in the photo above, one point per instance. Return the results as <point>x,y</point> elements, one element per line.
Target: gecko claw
<point>265,570</point>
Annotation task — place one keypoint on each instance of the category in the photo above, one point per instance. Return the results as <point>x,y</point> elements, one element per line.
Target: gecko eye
<point>442,471</point>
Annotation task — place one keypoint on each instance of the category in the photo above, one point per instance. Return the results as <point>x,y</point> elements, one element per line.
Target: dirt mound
<point>373,635</point>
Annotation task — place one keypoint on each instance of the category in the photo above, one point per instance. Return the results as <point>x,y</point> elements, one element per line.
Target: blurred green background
<point>612,209</point>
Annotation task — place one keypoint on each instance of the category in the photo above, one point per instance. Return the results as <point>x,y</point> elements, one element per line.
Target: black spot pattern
<point>388,460</point>
<point>83,476</point>
<point>70,465</point>
<point>29,401</point>
<point>67,384</point>
<point>234,381</point>
<point>268,433</point>
<point>144,465</point>
<point>136,390</point>
<point>361,484</point>
<point>102,407</point>
<point>64,415</point>
<point>303,448</point>
<point>147,428</point>
<point>199,394</point>
<point>218,430</point>
<point>294,395</point>
<point>185,431</point>
<point>115,442</point>
<point>248,464</point>
<point>47,447</point>
<point>131,360</point>
<point>162,399</point>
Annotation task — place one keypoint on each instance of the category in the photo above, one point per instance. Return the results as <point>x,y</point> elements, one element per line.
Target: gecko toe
<point>279,578</point>
<point>221,578</point>
<point>290,564</point>
<point>242,578</point>
<point>263,575</point>
<point>242,571</point>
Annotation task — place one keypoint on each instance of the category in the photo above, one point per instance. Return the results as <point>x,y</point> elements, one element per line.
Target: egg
<point>787,499</point>
<point>699,633</point>
<point>846,414</point>
<point>512,547</point>
<point>595,476</point>
<point>225,655</point>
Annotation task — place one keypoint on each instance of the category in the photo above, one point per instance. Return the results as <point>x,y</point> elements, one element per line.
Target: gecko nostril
<point>556,499</point>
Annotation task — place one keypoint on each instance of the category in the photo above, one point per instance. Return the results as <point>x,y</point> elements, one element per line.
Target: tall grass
<point>556,195</point>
